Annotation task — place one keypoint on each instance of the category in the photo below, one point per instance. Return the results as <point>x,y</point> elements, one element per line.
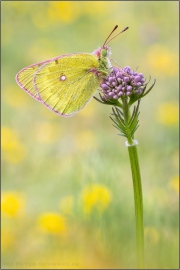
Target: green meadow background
<point>67,193</point>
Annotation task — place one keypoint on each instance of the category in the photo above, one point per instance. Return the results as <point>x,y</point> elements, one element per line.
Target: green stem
<point>127,117</point>
<point>138,200</point>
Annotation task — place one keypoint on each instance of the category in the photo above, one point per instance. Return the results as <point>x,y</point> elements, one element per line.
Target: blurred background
<point>67,192</point>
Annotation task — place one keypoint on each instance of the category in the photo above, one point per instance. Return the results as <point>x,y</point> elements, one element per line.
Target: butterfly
<point>66,83</point>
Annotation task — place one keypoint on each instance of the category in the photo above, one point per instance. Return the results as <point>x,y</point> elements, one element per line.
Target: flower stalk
<point>122,88</point>
<point>138,201</point>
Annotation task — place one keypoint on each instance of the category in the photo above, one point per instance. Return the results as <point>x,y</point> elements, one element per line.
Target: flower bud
<point>122,83</point>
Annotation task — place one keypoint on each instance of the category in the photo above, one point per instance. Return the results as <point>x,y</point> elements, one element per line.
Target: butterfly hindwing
<point>25,80</point>
<point>25,77</point>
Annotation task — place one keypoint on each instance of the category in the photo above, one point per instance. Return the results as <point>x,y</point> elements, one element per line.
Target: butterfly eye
<point>103,53</point>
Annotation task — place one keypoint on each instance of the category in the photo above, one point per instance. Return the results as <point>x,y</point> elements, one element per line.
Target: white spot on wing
<point>62,78</point>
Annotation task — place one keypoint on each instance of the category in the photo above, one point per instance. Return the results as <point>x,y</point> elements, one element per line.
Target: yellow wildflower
<point>13,203</point>
<point>168,114</point>
<point>66,205</point>
<point>95,197</point>
<point>64,11</point>
<point>13,150</point>
<point>52,223</point>
<point>162,60</point>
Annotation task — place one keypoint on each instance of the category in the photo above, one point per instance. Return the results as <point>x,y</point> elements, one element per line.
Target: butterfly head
<point>102,52</point>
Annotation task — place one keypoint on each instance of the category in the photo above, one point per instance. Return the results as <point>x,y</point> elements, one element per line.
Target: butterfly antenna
<point>126,28</point>
<point>110,35</point>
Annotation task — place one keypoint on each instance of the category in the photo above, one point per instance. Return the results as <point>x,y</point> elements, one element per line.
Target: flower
<point>52,223</point>
<point>162,60</point>
<point>95,197</point>
<point>121,88</point>
<point>122,83</point>
<point>168,113</point>
<point>63,11</point>
<point>13,203</point>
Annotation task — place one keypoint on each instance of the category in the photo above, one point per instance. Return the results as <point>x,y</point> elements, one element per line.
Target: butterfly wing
<point>65,84</point>
<point>25,78</point>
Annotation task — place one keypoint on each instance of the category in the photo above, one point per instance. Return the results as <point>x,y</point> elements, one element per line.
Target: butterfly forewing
<point>66,84</point>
